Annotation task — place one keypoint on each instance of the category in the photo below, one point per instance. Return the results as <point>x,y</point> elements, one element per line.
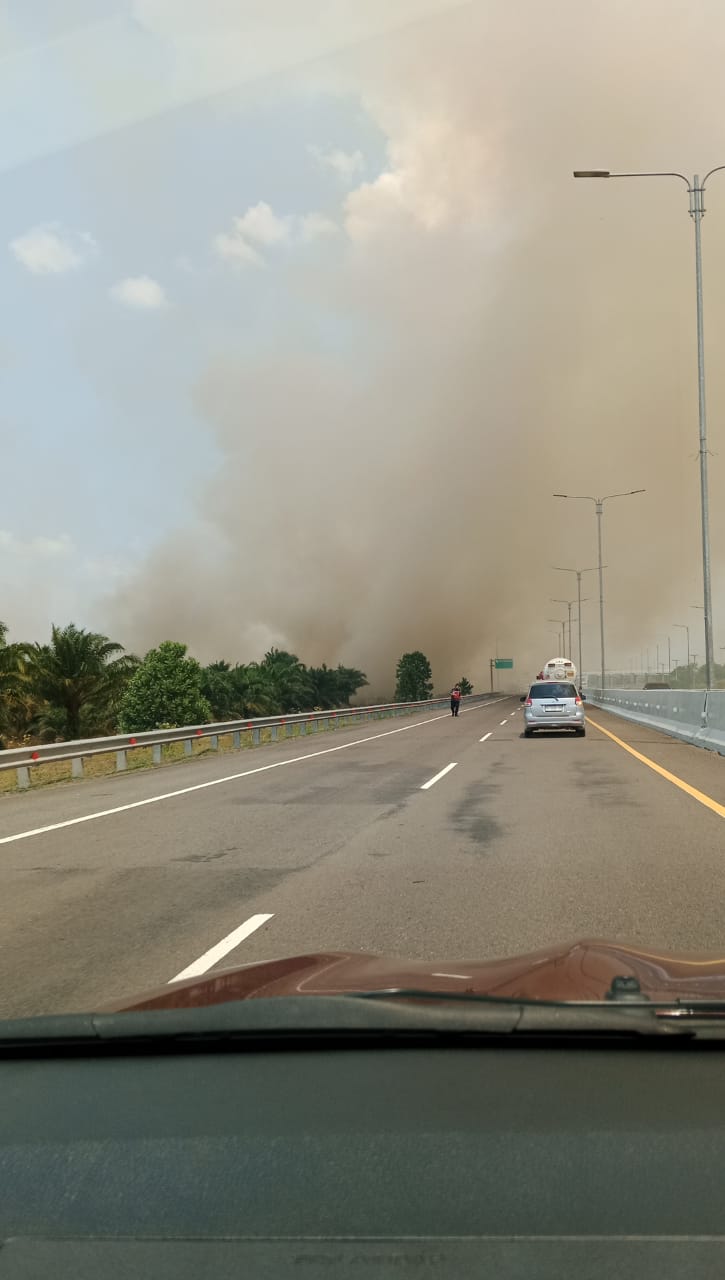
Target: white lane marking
<point>485,736</point>
<point>438,776</point>
<point>462,976</point>
<point>504,698</point>
<point>217,782</point>
<point>503,722</point>
<point>232,940</point>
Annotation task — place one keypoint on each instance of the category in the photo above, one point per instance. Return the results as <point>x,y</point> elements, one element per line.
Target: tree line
<point>81,684</point>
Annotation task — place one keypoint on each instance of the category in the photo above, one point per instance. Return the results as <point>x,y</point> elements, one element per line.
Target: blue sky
<point>103,448</point>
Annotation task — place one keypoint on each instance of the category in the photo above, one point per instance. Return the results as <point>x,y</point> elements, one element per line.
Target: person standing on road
<point>455,699</point>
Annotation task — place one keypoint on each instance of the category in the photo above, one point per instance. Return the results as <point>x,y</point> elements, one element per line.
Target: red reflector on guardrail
<point>34,755</point>
<point>198,733</point>
<point>132,742</point>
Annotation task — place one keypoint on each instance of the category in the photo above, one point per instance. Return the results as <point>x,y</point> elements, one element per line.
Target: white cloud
<point>48,250</point>
<point>346,164</point>
<point>314,226</point>
<point>39,547</point>
<point>237,249</point>
<point>261,226</point>
<point>140,292</point>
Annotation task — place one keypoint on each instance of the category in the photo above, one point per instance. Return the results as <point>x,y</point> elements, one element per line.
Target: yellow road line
<point>700,796</point>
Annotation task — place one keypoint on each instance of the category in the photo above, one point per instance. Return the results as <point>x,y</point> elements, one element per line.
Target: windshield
<point>324,362</point>
<point>552,689</point>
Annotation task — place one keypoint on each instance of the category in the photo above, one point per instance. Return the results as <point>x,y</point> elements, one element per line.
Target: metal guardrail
<point>24,759</point>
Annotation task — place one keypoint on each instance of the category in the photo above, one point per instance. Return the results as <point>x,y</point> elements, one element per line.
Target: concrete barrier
<point>712,734</point>
<point>679,712</point>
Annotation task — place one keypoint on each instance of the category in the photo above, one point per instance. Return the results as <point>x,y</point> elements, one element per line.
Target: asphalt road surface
<point>437,838</point>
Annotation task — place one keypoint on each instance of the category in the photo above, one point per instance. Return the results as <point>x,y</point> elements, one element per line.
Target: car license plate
<point>552,708</point>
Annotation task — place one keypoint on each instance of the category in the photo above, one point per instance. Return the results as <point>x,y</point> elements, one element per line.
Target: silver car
<point>553,704</point>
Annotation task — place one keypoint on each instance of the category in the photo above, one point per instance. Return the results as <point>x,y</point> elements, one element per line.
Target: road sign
<point>503,664</point>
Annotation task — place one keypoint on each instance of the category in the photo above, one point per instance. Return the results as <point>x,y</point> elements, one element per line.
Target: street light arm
<point>666,174</point>
<point>605,173</point>
<point>592,569</point>
<point>628,494</point>
<point>587,497</point>
<point>717,169</point>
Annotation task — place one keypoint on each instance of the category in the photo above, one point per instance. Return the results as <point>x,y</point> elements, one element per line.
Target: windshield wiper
<point>395,1018</point>
<point>677,1007</point>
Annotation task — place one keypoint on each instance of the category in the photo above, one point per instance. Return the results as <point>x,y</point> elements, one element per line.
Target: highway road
<point>432,838</point>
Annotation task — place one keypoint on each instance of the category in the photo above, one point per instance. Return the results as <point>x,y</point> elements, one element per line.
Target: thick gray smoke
<point>517,333</point>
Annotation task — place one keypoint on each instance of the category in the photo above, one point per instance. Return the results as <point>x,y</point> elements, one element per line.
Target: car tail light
<point>528,702</point>
<point>578,701</point>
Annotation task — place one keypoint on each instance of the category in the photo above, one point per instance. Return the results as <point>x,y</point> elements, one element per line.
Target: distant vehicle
<point>558,669</point>
<point>657,686</point>
<point>552,704</point>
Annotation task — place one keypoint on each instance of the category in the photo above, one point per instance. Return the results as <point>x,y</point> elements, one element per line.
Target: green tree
<point>166,689</point>
<point>278,684</point>
<point>465,686</point>
<point>78,678</point>
<point>334,686</point>
<point>220,689</point>
<point>15,695</point>
<point>413,678</point>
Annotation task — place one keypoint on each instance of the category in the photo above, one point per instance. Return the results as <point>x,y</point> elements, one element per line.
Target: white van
<point>559,669</point>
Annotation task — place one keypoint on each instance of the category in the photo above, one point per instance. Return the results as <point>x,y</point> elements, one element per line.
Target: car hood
<point>580,970</point>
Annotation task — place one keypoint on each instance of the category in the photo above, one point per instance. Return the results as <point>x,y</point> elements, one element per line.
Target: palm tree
<point>14,691</point>
<point>288,680</point>
<point>80,676</point>
<point>217,686</point>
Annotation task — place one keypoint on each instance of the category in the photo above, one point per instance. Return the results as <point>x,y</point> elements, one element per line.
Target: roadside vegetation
<point>82,685</point>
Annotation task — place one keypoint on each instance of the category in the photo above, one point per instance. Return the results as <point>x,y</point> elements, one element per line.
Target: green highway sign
<point>503,664</point>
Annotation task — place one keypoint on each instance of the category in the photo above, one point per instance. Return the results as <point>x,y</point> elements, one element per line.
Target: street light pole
<point>570,605</point>
<point>697,210</point>
<point>560,569</point>
<point>600,511</point>
<point>696,192</point>
<point>560,623</point>
<point>599,508</point>
<point>684,627</point>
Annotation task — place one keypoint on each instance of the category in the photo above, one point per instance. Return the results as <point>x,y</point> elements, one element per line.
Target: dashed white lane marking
<point>437,777</point>
<point>462,976</point>
<point>503,722</point>
<point>214,954</point>
<point>485,736</point>
<point>217,782</point>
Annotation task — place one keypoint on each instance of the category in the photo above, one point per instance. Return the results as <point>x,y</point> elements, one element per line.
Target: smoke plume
<point>506,333</point>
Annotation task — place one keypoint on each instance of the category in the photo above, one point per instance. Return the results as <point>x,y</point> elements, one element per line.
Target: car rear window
<point>553,689</point>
